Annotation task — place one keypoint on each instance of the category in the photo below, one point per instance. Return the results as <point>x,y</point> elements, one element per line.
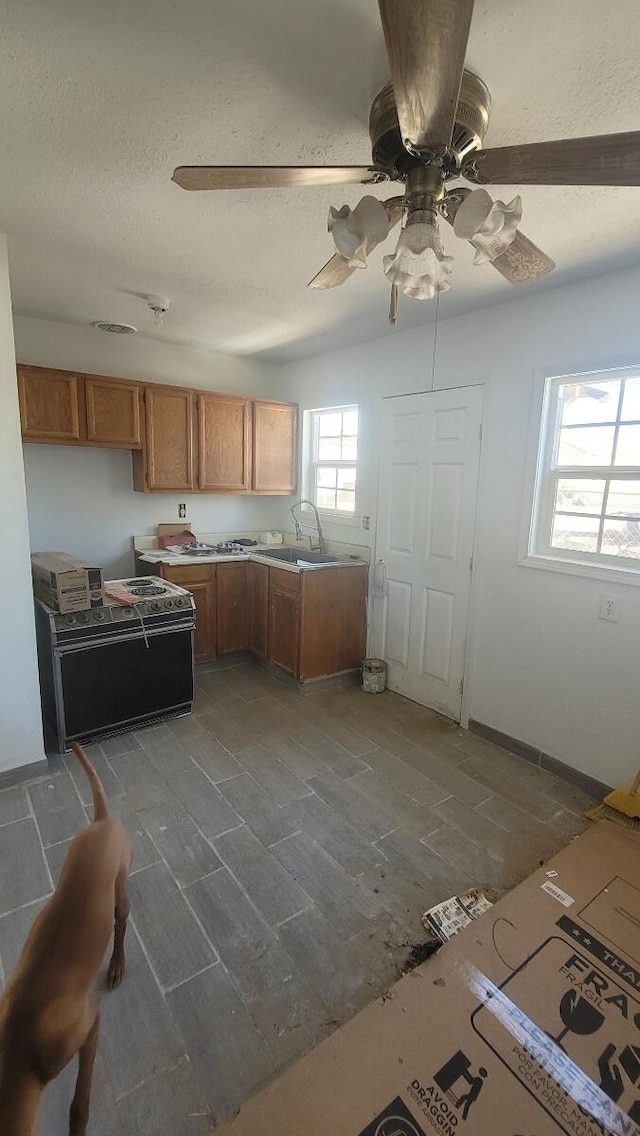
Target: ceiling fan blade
<point>607,159</point>
<point>426,44</point>
<point>270,177</point>
<point>523,261</point>
<point>336,271</point>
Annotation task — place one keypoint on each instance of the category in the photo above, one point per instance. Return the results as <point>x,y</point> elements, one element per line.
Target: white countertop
<point>349,555</point>
<point>255,553</point>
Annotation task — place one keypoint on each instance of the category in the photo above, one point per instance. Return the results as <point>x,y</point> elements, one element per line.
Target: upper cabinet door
<point>275,447</point>
<point>224,446</point>
<point>113,412</point>
<point>169,437</point>
<point>49,405</point>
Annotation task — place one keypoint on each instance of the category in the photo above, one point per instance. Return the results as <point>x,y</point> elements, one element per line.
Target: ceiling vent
<point>115,328</point>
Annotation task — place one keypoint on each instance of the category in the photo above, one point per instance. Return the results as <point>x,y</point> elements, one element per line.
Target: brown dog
<point>47,1012</point>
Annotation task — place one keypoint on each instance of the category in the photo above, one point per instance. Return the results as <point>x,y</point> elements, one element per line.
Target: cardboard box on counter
<point>526,1024</point>
<point>65,583</point>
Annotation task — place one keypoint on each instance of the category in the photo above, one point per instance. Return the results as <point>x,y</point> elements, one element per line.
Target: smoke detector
<point>114,328</point>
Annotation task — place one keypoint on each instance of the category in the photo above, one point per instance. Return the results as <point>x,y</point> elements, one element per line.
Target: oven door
<point>117,682</point>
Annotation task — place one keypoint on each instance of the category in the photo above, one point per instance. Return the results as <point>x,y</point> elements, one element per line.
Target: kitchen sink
<point>293,555</point>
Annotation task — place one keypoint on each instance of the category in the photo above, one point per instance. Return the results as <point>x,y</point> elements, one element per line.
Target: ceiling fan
<point>427,127</point>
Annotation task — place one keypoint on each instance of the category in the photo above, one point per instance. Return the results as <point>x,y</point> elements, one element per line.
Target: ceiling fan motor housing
<point>470,127</point>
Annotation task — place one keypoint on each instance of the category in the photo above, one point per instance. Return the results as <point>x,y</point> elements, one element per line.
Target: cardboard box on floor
<point>526,1024</point>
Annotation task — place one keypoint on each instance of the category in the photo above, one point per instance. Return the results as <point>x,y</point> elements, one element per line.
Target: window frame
<point>536,548</point>
<point>341,515</point>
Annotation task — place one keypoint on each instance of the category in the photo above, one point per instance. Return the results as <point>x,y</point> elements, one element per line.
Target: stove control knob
<point>83,617</point>
<point>168,603</point>
<point>99,614</point>
<point>70,620</point>
<point>180,601</point>
<point>154,605</point>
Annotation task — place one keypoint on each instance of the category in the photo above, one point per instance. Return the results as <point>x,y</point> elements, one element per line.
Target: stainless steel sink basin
<point>292,555</point>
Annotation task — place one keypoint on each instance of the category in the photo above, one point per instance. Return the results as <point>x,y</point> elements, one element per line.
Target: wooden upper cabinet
<point>224,443</point>
<point>49,405</point>
<point>275,447</point>
<point>113,412</point>
<point>182,440</point>
<point>169,438</point>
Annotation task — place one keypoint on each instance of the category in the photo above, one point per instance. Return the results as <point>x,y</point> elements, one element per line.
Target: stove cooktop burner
<point>147,589</point>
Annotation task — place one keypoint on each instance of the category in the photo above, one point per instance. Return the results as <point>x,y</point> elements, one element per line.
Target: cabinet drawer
<point>185,574</point>
<point>284,581</point>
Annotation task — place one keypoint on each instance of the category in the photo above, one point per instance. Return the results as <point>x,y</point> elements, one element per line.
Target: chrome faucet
<point>322,544</point>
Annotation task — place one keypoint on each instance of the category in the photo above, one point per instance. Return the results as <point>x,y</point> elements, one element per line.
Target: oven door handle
<point>127,637</point>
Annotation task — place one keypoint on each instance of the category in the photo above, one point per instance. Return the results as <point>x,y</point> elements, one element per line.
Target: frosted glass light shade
<point>419,265</point>
<point>490,226</point>
<point>357,231</point>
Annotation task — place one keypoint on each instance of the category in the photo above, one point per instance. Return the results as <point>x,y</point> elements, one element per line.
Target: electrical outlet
<point>609,607</point>
<point>366,522</point>
<point>182,512</point>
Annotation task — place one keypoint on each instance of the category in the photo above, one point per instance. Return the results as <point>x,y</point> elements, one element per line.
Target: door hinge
<point>480,432</point>
<point>461,687</point>
<point>471,563</point>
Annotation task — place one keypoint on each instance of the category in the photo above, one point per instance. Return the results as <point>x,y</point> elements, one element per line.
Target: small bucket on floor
<point>374,675</point>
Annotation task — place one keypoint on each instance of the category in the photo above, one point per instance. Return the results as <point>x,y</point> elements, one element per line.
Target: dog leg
<point>116,969</point>
<point>79,1111</point>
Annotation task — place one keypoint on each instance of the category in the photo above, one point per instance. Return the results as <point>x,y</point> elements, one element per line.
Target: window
<point>334,455</point>
<point>587,497</point>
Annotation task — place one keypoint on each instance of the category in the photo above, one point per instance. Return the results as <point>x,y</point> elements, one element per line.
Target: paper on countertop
<point>153,557</point>
<point>446,919</point>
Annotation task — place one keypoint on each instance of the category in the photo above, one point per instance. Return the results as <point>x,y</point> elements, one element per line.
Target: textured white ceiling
<point>100,101</point>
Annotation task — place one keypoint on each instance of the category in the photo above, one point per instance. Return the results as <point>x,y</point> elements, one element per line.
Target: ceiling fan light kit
<point>490,226</point>
<point>419,266</point>
<point>357,231</point>
<point>427,129</point>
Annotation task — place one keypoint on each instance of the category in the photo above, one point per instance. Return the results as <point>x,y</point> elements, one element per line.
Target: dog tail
<point>100,806</point>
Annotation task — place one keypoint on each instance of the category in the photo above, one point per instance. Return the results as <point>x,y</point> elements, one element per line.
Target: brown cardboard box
<point>526,1024</point>
<point>65,583</point>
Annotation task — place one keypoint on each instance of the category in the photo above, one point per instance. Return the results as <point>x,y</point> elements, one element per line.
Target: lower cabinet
<point>309,624</point>
<point>284,619</point>
<point>200,580</point>
<point>233,608</point>
<point>317,620</point>
<point>259,609</point>
<point>333,621</point>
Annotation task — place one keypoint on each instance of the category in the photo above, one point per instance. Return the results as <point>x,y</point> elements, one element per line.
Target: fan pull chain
<point>435,342</point>
<point>393,305</point>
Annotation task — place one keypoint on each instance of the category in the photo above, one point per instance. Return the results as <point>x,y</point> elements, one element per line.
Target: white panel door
<point>429,462</point>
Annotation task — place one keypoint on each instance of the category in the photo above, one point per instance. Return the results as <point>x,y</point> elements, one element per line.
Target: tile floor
<point>284,850</point>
